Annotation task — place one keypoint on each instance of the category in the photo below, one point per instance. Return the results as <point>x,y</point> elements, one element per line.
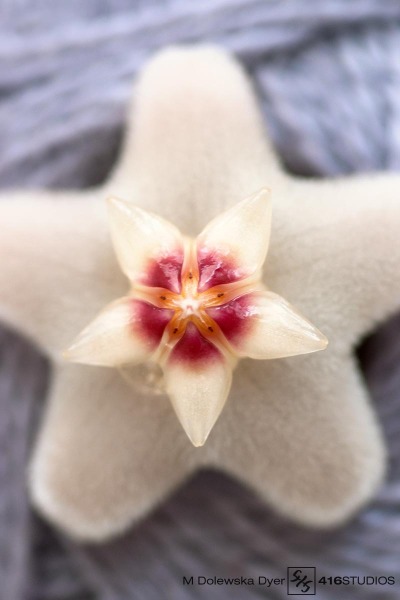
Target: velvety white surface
<point>300,430</point>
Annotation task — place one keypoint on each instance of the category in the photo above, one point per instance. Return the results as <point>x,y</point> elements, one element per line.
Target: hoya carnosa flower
<point>195,307</point>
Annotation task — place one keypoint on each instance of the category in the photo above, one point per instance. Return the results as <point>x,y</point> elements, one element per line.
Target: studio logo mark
<point>301,581</point>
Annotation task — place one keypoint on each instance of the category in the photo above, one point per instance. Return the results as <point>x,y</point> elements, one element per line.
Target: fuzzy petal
<point>126,332</point>
<point>304,436</point>
<point>198,378</point>
<point>264,325</point>
<point>149,249</point>
<point>196,142</point>
<point>57,265</point>
<point>235,244</point>
<point>341,251</point>
<point>106,453</point>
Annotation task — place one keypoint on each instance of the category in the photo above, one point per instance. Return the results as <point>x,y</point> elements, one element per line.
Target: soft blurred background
<point>327,74</point>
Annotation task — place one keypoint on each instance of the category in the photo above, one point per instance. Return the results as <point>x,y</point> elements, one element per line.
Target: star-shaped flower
<point>300,431</point>
<point>194,307</point>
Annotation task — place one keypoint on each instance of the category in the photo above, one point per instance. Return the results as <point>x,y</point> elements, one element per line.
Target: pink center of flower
<point>183,301</point>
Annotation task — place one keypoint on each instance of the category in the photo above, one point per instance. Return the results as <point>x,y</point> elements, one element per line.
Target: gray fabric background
<point>328,77</point>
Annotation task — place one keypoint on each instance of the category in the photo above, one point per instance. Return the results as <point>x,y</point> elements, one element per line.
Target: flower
<point>195,307</point>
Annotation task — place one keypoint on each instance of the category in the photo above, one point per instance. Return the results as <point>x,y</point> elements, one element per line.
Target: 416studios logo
<point>301,581</point>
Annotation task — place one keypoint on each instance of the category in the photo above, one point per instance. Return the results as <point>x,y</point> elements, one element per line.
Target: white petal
<point>198,389</point>
<point>140,237</point>
<point>105,455</point>
<point>198,397</point>
<point>267,326</point>
<point>243,232</point>
<point>116,336</point>
<point>54,250</point>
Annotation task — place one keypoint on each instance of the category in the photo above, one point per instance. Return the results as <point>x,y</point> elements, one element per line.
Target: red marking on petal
<point>194,348</point>
<point>150,321</point>
<point>164,272</point>
<point>216,269</point>
<point>234,317</point>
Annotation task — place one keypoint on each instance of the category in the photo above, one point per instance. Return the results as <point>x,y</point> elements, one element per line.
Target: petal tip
<point>114,203</point>
<point>320,338</point>
<point>323,340</point>
<point>320,341</point>
<point>199,444</point>
<point>196,434</point>
<point>75,353</point>
<point>264,192</point>
<point>66,354</point>
<point>263,195</point>
<point>259,201</point>
<point>197,422</point>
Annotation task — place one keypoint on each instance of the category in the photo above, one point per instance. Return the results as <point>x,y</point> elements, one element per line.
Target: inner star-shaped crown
<point>195,307</point>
